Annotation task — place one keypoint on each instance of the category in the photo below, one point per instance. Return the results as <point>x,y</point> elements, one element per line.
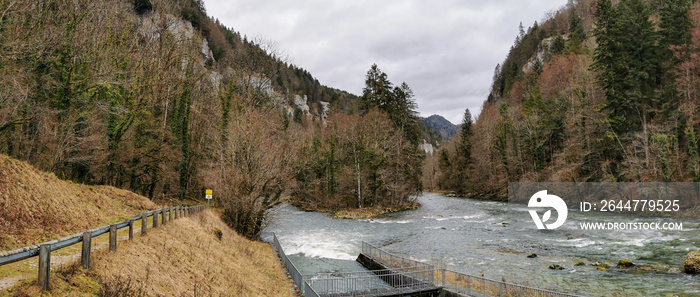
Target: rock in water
<point>692,263</point>
<point>533,255</point>
<point>556,267</point>
<point>624,264</point>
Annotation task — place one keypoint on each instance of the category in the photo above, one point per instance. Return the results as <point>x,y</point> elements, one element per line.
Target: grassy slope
<point>174,260</point>
<point>36,206</point>
<point>184,258</point>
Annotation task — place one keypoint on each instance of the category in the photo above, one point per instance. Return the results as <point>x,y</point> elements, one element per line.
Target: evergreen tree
<point>402,111</point>
<point>607,59</point>
<point>397,102</point>
<point>465,133</point>
<point>628,62</point>
<point>377,91</point>
<point>676,28</point>
<point>675,23</point>
<point>578,34</point>
<point>640,57</point>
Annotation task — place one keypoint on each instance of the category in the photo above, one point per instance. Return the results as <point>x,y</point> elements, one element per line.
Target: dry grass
<point>184,258</point>
<point>36,206</point>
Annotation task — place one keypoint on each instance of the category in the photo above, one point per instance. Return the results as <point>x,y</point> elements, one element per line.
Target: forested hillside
<point>156,97</point>
<point>600,91</point>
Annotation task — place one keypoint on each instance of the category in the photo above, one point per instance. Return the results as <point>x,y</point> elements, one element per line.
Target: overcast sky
<point>445,50</point>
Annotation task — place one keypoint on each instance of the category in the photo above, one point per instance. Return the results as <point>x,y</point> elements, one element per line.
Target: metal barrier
<point>44,250</point>
<point>390,260</point>
<point>293,271</point>
<point>459,282</point>
<point>376,282</point>
<point>402,280</point>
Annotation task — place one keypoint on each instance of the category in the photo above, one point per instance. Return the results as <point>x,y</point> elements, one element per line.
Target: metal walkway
<point>392,275</point>
<point>386,282</point>
<point>416,279</point>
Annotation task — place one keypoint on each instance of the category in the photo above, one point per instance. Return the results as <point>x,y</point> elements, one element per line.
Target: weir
<point>392,275</point>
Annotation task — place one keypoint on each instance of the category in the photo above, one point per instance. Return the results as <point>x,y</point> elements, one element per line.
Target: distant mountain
<point>442,126</point>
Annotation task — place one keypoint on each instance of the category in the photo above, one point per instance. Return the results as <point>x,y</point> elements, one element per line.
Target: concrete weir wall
<point>374,266</point>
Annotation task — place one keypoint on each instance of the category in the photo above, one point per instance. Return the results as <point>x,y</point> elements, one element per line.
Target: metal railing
<point>294,273</point>
<point>459,282</point>
<point>44,250</point>
<point>483,287</point>
<point>376,282</point>
<point>390,260</point>
<point>402,280</point>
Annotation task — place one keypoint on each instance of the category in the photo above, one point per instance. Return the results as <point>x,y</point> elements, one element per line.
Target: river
<point>470,236</point>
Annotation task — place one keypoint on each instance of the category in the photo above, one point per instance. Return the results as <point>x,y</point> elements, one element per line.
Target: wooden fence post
<point>144,224</point>
<point>85,255</point>
<point>155,219</point>
<point>163,218</point>
<point>131,229</point>
<point>170,213</point>
<point>113,237</point>
<point>44,266</point>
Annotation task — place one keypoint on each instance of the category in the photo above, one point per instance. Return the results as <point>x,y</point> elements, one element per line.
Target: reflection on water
<point>470,236</point>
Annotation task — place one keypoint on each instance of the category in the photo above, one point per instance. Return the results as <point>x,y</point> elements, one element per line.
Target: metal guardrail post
<point>44,266</point>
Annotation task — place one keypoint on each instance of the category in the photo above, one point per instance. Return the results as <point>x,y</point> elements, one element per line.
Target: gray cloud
<point>445,50</point>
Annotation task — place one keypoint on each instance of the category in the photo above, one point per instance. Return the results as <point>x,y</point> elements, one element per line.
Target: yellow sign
<point>208,192</point>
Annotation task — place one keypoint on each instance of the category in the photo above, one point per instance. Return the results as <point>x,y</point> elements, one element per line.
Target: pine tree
<point>675,34</point>
<point>607,60</point>
<point>578,34</point>
<point>640,57</point>
<point>627,57</point>
<point>377,90</point>
<point>465,133</point>
<point>675,22</point>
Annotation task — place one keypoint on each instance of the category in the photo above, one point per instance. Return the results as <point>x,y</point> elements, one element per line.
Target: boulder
<point>556,267</point>
<point>532,255</point>
<point>692,263</point>
<point>624,264</point>
<point>580,263</point>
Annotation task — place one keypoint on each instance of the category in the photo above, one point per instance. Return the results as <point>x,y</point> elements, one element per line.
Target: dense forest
<point>156,97</point>
<point>599,91</point>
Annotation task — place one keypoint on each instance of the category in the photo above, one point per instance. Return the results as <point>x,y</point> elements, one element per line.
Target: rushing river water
<point>470,236</point>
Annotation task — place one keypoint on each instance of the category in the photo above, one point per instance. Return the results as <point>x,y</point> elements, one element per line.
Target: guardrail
<point>44,250</point>
<point>461,282</point>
